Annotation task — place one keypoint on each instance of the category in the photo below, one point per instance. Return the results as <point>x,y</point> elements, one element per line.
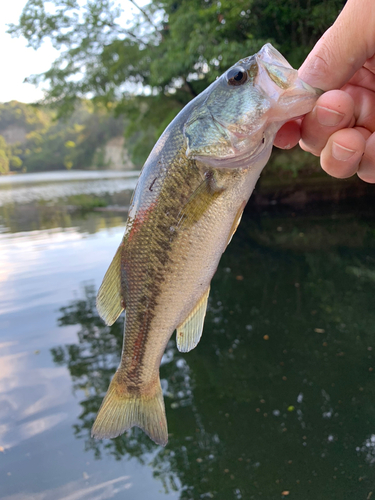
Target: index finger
<point>344,47</point>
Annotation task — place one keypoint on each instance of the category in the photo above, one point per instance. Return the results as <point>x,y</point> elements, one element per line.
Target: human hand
<point>341,127</point>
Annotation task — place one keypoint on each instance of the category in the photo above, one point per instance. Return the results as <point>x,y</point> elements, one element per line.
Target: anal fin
<point>109,302</point>
<point>190,331</point>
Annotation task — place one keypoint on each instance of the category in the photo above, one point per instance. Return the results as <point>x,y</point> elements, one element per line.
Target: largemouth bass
<point>187,204</point>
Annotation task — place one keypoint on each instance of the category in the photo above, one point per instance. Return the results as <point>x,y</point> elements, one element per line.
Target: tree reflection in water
<point>93,361</point>
<point>279,395</point>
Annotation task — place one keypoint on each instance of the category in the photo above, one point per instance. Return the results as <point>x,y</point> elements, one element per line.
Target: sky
<point>17,61</point>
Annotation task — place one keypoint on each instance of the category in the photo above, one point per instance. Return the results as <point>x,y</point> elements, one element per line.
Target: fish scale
<point>186,206</point>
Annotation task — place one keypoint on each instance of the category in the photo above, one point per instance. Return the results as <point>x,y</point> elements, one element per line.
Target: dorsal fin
<point>109,301</point>
<point>190,331</point>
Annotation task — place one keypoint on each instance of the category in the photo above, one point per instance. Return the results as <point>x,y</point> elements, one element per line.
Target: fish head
<point>291,97</point>
<point>236,119</point>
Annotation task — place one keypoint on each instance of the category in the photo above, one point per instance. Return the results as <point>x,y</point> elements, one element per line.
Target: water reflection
<point>39,455</point>
<point>31,202</point>
<point>38,216</point>
<point>279,394</point>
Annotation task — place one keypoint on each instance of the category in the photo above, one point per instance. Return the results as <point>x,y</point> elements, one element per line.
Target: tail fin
<point>121,411</point>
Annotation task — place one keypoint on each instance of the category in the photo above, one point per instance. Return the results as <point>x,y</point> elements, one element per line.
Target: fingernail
<point>328,117</point>
<point>341,153</point>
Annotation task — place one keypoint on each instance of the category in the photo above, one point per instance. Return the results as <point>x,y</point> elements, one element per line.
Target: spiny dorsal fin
<point>190,331</point>
<point>109,302</point>
<point>121,411</point>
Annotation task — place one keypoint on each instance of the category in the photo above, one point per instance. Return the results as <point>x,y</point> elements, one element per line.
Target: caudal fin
<point>121,411</point>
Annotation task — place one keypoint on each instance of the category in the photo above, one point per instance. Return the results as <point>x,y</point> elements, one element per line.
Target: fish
<point>186,207</point>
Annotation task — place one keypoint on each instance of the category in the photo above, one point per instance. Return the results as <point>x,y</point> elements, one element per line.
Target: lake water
<point>277,400</point>
<point>48,186</point>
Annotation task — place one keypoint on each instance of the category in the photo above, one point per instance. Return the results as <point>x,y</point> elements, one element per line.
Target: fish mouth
<point>297,101</point>
<point>308,88</point>
<point>239,159</point>
<point>292,97</point>
<point>269,55</point>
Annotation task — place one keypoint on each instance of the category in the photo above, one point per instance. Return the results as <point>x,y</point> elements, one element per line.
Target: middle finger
<point>333,111</point>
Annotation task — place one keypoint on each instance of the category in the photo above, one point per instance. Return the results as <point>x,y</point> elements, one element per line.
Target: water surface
<point>51,186</point>
<point>276,401</point>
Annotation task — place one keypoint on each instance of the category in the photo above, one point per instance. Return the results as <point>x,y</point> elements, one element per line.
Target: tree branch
<point>144,13</point>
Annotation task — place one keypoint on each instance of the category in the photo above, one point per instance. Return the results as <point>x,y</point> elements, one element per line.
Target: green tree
<point>168,54</point>
<point>16,113</point>
<point>48,143</point>
<point>4,162</point>
<point>7,159</point>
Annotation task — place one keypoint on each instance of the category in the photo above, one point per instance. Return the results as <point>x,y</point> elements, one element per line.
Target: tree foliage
<point>171,45</point>
<point>36,141</point>
<point>165,55</point>
<point>8,158</point>
<point>4,160</point>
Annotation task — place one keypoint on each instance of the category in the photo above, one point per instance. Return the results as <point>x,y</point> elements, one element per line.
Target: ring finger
<point>343,152</point>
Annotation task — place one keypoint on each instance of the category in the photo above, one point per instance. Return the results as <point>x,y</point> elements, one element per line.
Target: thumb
<point>343,48</point>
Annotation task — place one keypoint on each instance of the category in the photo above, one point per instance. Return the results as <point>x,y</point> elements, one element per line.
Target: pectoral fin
<point>109,301</point>
<point>190,331</point>
<point>200,201</point>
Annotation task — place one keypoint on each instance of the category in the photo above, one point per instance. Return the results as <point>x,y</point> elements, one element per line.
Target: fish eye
<point>236,76</point>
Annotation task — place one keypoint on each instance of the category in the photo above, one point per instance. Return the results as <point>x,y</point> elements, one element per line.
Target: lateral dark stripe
<point>147,253</point>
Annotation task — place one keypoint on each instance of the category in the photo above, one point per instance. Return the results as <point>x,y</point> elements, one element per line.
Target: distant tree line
<point>149,67</point>
<point>32,139</point>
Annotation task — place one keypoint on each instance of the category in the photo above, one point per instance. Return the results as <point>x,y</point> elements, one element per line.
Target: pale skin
<point>341,127</point>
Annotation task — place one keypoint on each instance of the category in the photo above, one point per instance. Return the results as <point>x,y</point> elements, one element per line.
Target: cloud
<point>76,490</point>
